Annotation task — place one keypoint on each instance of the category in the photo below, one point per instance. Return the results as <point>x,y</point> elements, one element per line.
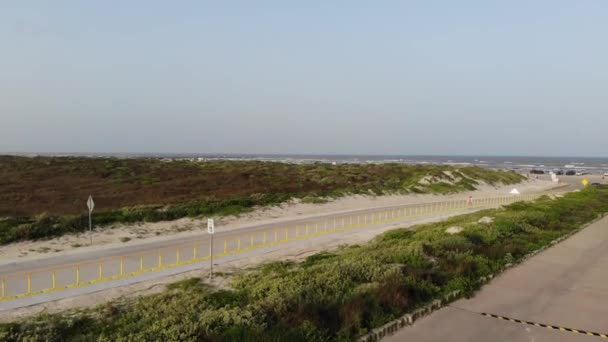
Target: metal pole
<point>211,259</point>
<point>90,229</point>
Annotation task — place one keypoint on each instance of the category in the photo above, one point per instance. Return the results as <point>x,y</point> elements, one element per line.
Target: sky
<point>305,77</point>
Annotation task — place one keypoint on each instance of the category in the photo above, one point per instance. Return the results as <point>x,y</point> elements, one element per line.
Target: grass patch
<point>331,296</point>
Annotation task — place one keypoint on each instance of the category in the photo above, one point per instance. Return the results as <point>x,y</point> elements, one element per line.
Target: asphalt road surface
<point>565,287</point>
<point>58,271</point>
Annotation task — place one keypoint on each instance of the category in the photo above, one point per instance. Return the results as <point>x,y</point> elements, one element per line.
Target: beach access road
<point>47,280</point>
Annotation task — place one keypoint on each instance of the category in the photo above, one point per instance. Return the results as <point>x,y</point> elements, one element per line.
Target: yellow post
<point>251,240</point>
<point>358,219</point>
<point>238,248</point>
<point>3,287</point>
<point>29,283</point>
<point>100,271</point>
<point>286,235</point>
<point>77,275</point>
<point>54,280</point>
<point>194,253</point>
<point>225,246</point>
<point>141,263</point>
<point>326,225</point>
<point>122,265</point>
<point>334,224</point>
<point>177,256</point>
<point>264,242</point>
<point>160,258</point>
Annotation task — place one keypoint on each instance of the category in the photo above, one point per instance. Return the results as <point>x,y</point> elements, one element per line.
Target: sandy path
<point>135,234</point>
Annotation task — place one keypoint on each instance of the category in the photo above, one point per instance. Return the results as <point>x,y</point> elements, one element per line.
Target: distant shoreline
<point>515,163</point>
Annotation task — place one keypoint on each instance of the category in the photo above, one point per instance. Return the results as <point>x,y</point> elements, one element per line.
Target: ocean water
<point>587,164</point>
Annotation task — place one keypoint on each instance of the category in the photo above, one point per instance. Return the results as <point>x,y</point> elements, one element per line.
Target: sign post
<point>211,231</point>
<point>91,206</point>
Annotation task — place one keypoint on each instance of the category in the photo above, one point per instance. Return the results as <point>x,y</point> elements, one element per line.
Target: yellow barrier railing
<point>26,284</point>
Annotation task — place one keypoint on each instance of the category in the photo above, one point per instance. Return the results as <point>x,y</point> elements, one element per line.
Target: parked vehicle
<point>570,173</point>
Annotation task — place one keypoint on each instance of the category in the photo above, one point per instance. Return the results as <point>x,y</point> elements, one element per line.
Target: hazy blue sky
<point>370,77</point>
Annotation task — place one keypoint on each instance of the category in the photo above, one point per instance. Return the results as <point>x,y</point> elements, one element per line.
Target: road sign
<point>210,226</point>
<point>585,182</point>
<point>211,231</point>
<point>90,204</point>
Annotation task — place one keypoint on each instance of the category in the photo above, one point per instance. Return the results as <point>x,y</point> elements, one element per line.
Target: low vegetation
<point>330,296</point>
<point>44,197</point>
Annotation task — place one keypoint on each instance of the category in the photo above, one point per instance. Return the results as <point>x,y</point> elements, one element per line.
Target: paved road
<point>60,271</point>
<point>565,286</point>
